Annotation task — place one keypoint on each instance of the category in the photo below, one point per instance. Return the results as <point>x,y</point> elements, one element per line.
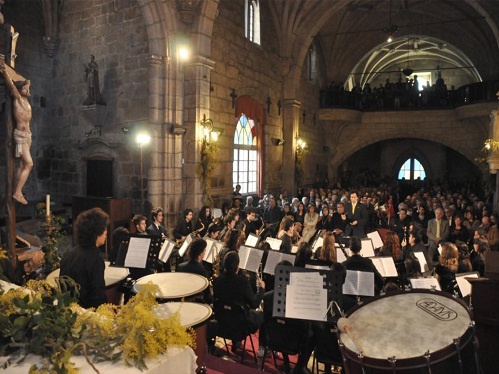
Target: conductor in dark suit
<point>357,216</point>
<point>156,227</point>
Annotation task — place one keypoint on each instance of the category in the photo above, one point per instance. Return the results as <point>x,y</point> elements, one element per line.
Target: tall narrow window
<point>245,167</point>
<point>411,170</point>
<point>312,65</point>
<point>252,20</point>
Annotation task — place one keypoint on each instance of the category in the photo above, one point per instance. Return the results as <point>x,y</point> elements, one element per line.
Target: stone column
<point>290,128</point>
<point>493,158</point>
<point>197,102</point>
<point>156,172</point>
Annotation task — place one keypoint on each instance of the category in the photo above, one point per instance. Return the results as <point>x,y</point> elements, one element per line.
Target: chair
<point>285,336</point>
<point>327,350</point>
<point>233,325</point>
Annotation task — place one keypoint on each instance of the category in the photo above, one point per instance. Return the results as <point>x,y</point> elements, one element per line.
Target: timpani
<point>411,332</point>
<point>113,278</point>
<point>193,315</point>
<point>173,286</point>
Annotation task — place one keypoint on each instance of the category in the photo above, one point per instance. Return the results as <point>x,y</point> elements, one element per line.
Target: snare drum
<point>174,286</point>
<point>410,332</point>
<point>113,277</point>
<point>191,315</point>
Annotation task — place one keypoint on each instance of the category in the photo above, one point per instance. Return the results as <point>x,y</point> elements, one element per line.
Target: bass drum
<point>410,332</point>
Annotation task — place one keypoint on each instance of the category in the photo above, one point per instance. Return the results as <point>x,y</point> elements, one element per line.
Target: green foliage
<point>55,240</point>
<point>206,168</point>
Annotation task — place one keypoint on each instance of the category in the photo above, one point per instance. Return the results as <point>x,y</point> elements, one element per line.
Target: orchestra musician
<point>139,221</point>
<point>183,227</point>
<point>297,239</point>
<point>247,226</point>
<point>204,221</point>
<point>194,265</point>
<point>230,223</point>
<point>156,228</point>
<point>286,238</point>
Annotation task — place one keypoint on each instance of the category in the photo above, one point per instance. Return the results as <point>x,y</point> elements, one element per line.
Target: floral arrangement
<point>206,168</point>
<point>44,319</point>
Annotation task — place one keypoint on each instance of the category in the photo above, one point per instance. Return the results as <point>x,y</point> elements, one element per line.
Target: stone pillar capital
<point>155,60</point>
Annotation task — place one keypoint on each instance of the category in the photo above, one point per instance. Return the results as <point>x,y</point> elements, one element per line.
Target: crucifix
<point>268,104</point>
<point>279,106</point>
<point>304,115</point>
<point>233,94</point>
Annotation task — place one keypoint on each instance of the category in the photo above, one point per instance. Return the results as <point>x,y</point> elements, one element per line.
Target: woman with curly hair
<point>392,247</point>
<point>447,267</point>
<point>477,256</point>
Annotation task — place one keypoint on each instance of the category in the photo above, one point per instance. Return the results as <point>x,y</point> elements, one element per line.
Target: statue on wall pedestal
<point>22,133</point>
<point>92,77</point>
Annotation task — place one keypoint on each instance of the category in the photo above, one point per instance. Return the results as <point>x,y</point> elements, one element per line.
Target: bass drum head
<point>399,330</point>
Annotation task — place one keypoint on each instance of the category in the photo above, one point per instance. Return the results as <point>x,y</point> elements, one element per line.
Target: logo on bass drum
<point>436,309</point>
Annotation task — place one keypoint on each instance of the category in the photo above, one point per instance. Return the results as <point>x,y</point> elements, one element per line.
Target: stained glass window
<point>245,165</point>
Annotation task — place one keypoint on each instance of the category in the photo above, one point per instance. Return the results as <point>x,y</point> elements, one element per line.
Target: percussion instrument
<point>191,315</point>
<point>410,332</point>
<point>174,285</point>
<point>113,277</point>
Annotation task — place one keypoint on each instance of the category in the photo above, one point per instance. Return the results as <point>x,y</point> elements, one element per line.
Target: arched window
<point>312,64</point>
<point>245,167</point>
<point>411,170</point>
<point>252,20</point>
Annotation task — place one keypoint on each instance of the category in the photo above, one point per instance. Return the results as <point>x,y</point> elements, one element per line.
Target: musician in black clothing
<point>204,221</point>
<point>286,238</point>
<point>156,228</point>
<point>139,222</point>
<point>248,224</point>
<point>273,214</point>
<point>194,265</point>
<point>184,226</point>
<point>359,263</point>
<point>325,222</point>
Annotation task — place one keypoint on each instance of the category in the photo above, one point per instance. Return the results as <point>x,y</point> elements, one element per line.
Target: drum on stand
<point>191,315</point>
<point>410,332</point>
<point>113,277</point>
<point>173,286</point>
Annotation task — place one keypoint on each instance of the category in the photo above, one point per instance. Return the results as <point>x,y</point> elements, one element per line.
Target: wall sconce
<point>277,142</point>
<point>97,130</point>
<point>126,130</point>
<point>209,132</point>
<point>177,130</point>
<point>300,143</point>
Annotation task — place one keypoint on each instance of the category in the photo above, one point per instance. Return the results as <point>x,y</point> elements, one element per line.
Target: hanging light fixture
<point>408,71</point>
<point>391,29</point>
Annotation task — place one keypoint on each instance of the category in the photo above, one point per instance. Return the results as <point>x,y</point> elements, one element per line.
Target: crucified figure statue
<point>22,133</point>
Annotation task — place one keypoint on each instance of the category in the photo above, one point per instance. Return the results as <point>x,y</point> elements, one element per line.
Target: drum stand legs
<point>458,351</point>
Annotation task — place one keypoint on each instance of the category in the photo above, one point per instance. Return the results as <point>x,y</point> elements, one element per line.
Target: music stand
<point>133,251</point>
<point>333,281</point>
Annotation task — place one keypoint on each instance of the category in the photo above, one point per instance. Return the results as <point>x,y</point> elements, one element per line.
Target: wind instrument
<point>258,277</point>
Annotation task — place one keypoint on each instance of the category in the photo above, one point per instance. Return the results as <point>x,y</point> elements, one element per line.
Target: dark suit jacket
<point>195,267</point>
<point>153,230</point>
<point>359,263</point>
<point>360,215</point>
<point>232,288</point>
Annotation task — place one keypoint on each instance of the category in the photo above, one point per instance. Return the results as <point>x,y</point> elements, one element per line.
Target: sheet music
<point>376,239</point>
<point>318,243</point>
<point>422,261</point>
<point>367,248</point>
<point>252,240</point>
<point>138,250</point>
<point>208,253</point>
<point>166,250</point>
<point>308,303</point>
<point>463,284</point>
<point>311,279</point>
<point>359,283</point>
<point>275,244</point>
<point>425,283</point>
<point>385,266</point>
<point>216,213</point>
<point>274,258</point>
<point>184,246</point>
<point>250,258</point>
<point>294,249</point>
<point>340,256</point>
<point>317,267</point>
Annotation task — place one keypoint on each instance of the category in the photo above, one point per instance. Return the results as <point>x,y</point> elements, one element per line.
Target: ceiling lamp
<point>391,29</point>
<point>408,71</point>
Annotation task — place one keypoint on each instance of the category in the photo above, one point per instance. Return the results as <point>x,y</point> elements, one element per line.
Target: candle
<point>47,205</point>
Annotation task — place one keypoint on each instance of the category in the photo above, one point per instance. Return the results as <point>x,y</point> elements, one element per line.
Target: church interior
<point>138,104</point>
